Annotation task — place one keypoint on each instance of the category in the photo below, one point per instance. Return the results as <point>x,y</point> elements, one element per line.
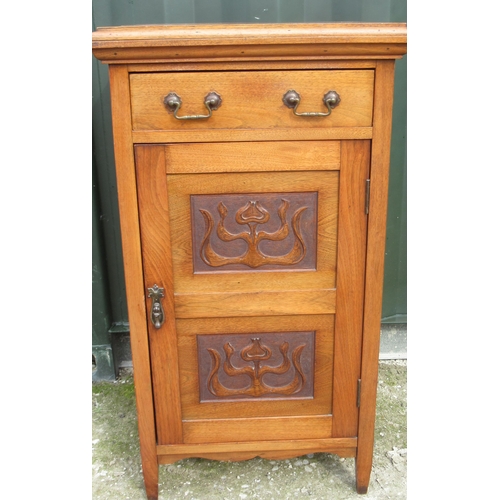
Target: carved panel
<point>256,366</point>
<point>254,232</point>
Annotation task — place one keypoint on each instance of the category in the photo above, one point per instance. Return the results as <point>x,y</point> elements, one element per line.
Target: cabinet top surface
<point>253,33</point>
<point>275,39</point>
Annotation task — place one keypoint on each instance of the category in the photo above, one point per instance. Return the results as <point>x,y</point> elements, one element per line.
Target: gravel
<point>117,468</point>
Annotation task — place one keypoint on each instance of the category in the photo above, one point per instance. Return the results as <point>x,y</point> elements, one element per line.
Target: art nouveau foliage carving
<point>255,366</point>
<point>249,232</point>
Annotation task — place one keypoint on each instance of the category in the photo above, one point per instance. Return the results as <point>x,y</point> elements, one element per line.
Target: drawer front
<point>252,99</point>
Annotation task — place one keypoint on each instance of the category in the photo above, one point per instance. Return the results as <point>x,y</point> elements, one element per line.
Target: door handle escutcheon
<point>157,315</point>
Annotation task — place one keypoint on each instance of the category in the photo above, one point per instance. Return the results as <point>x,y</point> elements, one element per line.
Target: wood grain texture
<point>273,157</point>
<point>350,283</point>
<point>240,42</point>
<point>236,135</point>
<point>272,303</point>
<point>254,232</point>
<point>259,448</point>
<point>248,455</point>
<point>258,366</point>
<point>183,186</point>
<point>188,330</point>
<point>258,146</point>
<point>252,100</point>
<point>320,51</point>
<point>249,64</point>
<point>257,429</point>
<point>379,175</point>
<point>129,224</point>
<point>228,34</point>
<point>155,234</point>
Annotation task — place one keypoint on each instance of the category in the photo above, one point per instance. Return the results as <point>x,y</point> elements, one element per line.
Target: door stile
<point>133,271</point>
<point>354,170</point>
<point>157,262</point>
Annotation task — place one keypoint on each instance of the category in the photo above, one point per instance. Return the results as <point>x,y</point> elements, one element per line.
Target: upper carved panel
<point>254,231</point>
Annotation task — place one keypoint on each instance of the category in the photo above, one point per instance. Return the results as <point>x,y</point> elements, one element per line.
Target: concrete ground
<point>321,476</point>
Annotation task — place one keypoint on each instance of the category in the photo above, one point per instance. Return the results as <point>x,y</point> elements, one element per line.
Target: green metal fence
<point>109,326</point>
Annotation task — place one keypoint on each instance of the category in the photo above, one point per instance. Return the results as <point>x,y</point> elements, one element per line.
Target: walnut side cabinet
<point>252,168</point>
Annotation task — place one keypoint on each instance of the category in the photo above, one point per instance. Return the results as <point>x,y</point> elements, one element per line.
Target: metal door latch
<point>157,314</point>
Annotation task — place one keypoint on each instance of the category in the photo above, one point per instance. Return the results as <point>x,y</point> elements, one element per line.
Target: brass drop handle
<point>292,101</point>
<point>173,103</point>
<point>157,314</point>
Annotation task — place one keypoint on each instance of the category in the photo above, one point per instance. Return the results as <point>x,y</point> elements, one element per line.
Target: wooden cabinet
<point>252,168</point>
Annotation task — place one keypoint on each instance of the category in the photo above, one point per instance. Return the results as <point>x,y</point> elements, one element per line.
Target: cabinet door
<point>260,251</point>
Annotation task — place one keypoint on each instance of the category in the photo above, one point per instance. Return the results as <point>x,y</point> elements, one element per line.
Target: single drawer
<point>252,99</point>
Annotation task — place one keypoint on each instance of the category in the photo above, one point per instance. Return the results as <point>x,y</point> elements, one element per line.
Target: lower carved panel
<point>256,366</point>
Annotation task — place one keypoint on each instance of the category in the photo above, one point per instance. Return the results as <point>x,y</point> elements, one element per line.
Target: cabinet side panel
<point>379,175</point>
<point>129,224</point>
<point>157,256</point>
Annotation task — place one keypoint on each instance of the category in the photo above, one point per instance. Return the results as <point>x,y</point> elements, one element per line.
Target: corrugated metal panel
<point>102,355</point>
<point>130,12</point>
<point>126,12</point>
<point>394,304</point>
